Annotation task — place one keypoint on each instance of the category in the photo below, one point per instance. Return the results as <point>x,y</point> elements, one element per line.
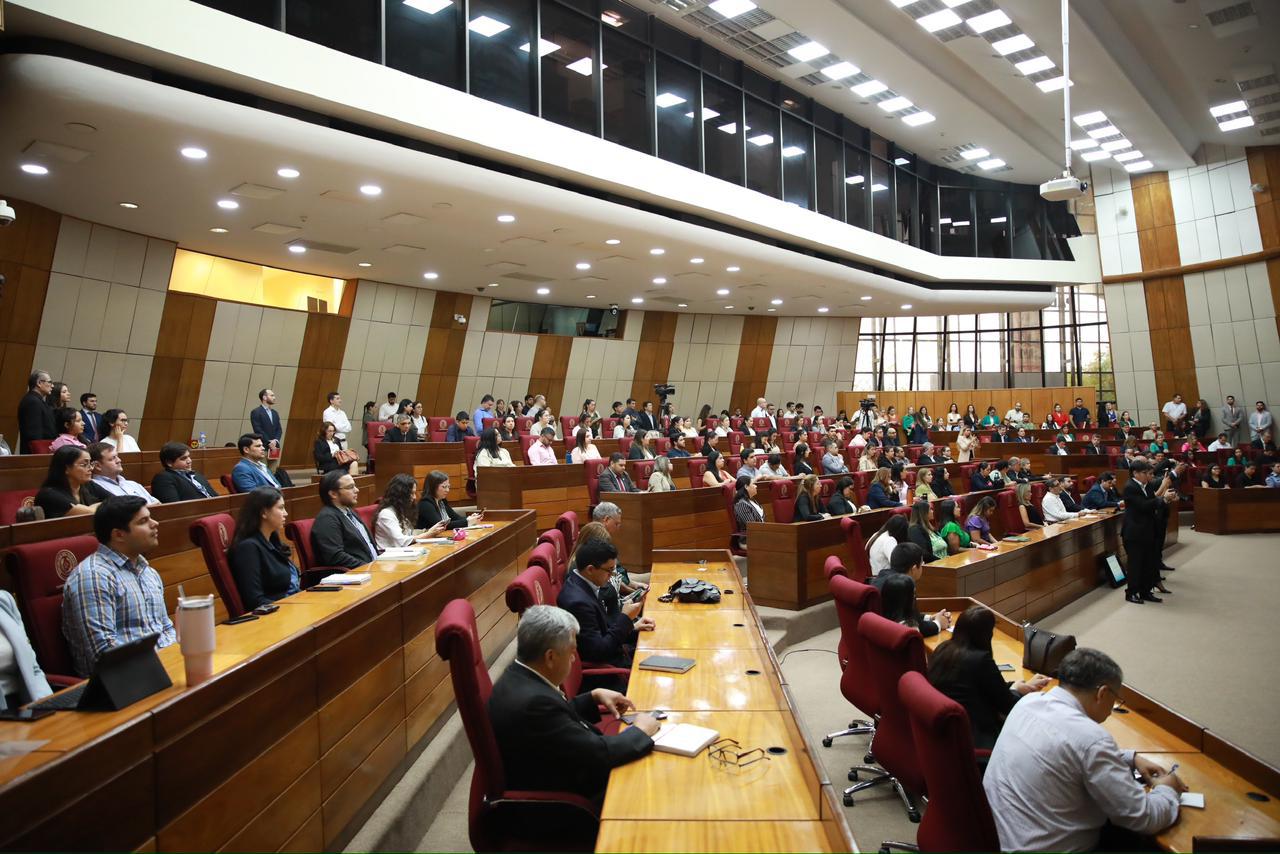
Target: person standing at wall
<point>265,421</point>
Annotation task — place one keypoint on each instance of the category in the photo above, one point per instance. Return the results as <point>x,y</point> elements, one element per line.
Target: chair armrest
<point>592,669</point>
<point>561,799</point>
<point>57,681</point>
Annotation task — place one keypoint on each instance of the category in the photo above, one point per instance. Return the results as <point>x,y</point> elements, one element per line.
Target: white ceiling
<point>442,213</point>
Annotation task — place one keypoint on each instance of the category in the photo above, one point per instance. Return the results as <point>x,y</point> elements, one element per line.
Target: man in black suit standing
<point>1139,531</point>
<point>338,537</point>
<point>602,638</point>
<point>35,416</point>
<point>178,481</point>
<point>266,423</point>
<point>546,740</point>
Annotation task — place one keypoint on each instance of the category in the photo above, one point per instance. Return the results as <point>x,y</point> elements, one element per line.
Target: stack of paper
<point>684,739</point>
<point>349,579</point>
<point>402,553</point>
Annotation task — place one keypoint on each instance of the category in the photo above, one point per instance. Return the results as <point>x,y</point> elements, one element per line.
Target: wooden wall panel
<point>550,368</point>
<point>177,371</point>
<point>438,379</point>
<point>754,354</point>
<point>1264,169</point>
<point>653,358</point>
<point>26,255</point>
<point>319,367</point>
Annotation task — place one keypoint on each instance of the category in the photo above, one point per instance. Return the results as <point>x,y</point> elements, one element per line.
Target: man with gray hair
<point>1056,777</point>
<point>547,742</point>
<point>610,515</point>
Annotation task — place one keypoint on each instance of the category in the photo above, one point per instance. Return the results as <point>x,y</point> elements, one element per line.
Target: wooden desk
<point>312,711</point>
<point>1237,511</point>
<point>420,459</point>
<point>28,471</point>
<point>667,802</point>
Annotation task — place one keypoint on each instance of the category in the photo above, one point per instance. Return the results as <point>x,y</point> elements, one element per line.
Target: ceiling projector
<point>1063,189</point>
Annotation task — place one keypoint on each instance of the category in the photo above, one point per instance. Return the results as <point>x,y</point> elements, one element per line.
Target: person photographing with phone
<point>602,638</point>
<point>1144,514</point>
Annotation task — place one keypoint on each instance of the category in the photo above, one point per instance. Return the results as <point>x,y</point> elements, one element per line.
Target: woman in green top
<point>956,537</point>
<point>991,419</point>
<point>909,420</point>
<point>924,484</point>
<point>921,532</point>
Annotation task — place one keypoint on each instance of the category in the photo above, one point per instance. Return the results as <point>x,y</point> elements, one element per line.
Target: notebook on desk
<point>684,739</point>
<point>667,663</point>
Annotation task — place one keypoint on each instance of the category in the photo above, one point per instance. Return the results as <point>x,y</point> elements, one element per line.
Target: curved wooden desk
<point>1237,511</point>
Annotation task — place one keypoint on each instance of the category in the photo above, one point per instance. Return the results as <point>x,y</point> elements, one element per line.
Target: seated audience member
<point>583,448</point>
<point>178,481</point>
<point>715,473</point>
<point>800,453</point>
<point>601,529</point>
<point>1056,777</point>
<point>1051,505</point>
<point>459,429</point>
<point>1249,476</point>
<point>862,439</point>
<point>956,537</point>
<point>660,478</point>
<point>1236,460</point>
<point>677,448</point>
<point>924,485</point>
<point>1273,478</point>
<point>1067,495</point>
<point>260,561</point>
<point>623,428</point>
<point>544,421</point>
<point>1214,478</point>
<point>1102,495</point>
<point>921,531</point>
<point>420,422</point>
<point>330,453</point>
<point>1059,448</point>
<point>536,407</point>
<point>66,490</point>
<point>745,508</point>
<point>614,477</point>
<point>1017,471</point>
<point>773,469</point>
<point>709,442</point>
<point>892,533</point>
<point>882,493</point>
<point>542,452</point>
<point>808,500</point>
<point>832,462</point>
<point>898,603</point>
<point>929,455</point>
<point>402,431</point>
<point>1221,443</point>
<point>750,458</point>
<point>601,639</point>
<point>844,500</point>
<point>251,471</point>
<point>114,596</point>
<point>978,525</point>
<point>108,475</point>
<point>483,414</point>
<point>941,484</point>
<point>641,447</point>
<point>545,740</point>
<point>70,428</point>
<point>1031,517</point>
<point>1023,436</point>
<point>338,536</point>
<point>1000,474</point>
<point>434,506</point>
<point>114,424</point>
<point>871,457</point>
<point>21,679</point>
<point>506,428</point>
<point>490,452</point>
<point>964,669</point>
<point>1266,443</point>
<point>397,510</point>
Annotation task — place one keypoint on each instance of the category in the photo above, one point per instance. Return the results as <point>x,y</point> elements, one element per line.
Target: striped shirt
<point>109,601</point>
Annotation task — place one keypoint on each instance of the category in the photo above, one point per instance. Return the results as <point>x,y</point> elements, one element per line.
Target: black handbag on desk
<point>1043,651</point>
<point>692,590</point>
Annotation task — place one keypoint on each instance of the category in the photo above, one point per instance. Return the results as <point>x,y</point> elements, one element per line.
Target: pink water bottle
<point>459,535</point>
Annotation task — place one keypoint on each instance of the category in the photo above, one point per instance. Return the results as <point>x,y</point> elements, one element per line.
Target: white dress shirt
<point>1215,445</point>
<point>339,420</point>
<point>881,551</point>
<point>388,533</point>
<point>124,486</point>
<point>758,412</point>
<point>1174,411</point>
<point>1015,416</point>
<point>1054,510</point>
<point>386,411</point>
<point>128,445</point>
<point>1056,776</point>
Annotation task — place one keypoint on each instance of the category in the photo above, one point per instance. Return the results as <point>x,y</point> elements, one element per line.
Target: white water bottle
<point>194,625</point>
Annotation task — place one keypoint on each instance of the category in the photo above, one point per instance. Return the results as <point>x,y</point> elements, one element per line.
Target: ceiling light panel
<point>988,21</point>
<point>895,104</point>
<point>732,8</point>
<point>1034,66</point>
<point>487,27</point>
<point>428,6</point>
<point>808,51</point>
<point>840,70</point>
<point>1090,156</point>
<point>1229,108</point>
<point>1014,44</point>
<point>918,118</point>
<point>940,20</point>
<point>1126,156</point>
<point>1085,120</point>
<point>1236,124</point>
<point>871,87</point>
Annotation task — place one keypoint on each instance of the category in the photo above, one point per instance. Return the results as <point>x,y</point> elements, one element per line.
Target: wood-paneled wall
<point>1264,169</point>
<point>26,256</point>
<point>550,368</point>
<point>319,369</point>
<point>1036,402</point>
<point>173,389</point>
<point>754,355</point>
<point>653,359</point>
<point>443,355</point>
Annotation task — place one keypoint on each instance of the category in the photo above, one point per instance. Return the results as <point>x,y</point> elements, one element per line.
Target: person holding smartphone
<point>21,679</point>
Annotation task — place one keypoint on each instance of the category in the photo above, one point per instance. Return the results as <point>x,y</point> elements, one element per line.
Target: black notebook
<point>667,663</point>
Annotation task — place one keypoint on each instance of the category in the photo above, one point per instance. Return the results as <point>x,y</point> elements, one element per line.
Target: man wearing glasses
<point>338,537</point>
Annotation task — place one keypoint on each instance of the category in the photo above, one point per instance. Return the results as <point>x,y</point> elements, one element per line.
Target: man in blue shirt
<point>459,429</point>
<point>252,472</point>
<point>677,447</point>
<point>1102,494</point>
<point>484,414</point>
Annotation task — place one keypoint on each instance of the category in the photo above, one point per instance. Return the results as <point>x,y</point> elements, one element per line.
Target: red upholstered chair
<point>893,649</point>
<point>815,441</point>
<point>543,556</point>
<point>904,510</point>
<point>713,421</point>
<point>858,562</point>
<point>368,514</point>
<point>697,465</point>
<point>732,465</point>
<point>40,570</point>
<point>230,485</point>
<point>469,446</point>
<point>14,500</point>
<point>786,441</point>
<point>735,444</point>
<point>784,501</point>
<point>862,480</point>
<point>909,478</point>
<point>554,537</point>
<point>1038,489</point>
<point>606,427</point>
<point>661,445</point>
<point>826,489</point>
<point>959,816</point>
<point>1007,507</point>
<point>299,530</point>
<point>523,424</point>
<point>593,469</point>
<point>735,423</point>
<point>854,599</point>
<point>502,820</point>
<point>42,446</point>
<point>567,423</point>
<point>833,565</point>
<point>438,427</point>
<point>377,431</point>
<point>913,452</point>
<point>567,524</point>
<point>966,473</point>
<point>526,442</point>
<point>759,424</point>
<point>212,535</point>
<point>640,471</point>
<point>624,445</point>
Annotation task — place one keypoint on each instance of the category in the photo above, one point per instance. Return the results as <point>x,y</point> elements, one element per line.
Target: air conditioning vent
<point>1230,18</point>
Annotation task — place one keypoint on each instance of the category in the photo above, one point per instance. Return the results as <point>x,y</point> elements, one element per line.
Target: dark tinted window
<point>264,12</point>
<point>857,187</point>
<point>624,18</point>
<point>797,161</point>
<point>627,109</point>
<point>1028,225</point>
<point>569,68</point>
<point>906,186</point>
<point>955,223</point>
<point>425,44</point>
<point>668,39</point>
<point>882,212</point>
<point>928,219</point>
<point>355,29</point>
<point>763,160</point>
<point>677,103</point>
<point>829,175</point>
<point>993,224</point>
<point>722,130</point>
<point>500,33</point>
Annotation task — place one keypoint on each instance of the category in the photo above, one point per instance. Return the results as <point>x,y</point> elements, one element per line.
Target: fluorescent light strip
<point>894,105</point>
<point>1104,132</point>
<point>1053,84</point>
<point>428,6</point>
<point>869,88</point>
<point>732,8</point>
<point>1117,145</point>
<point>1034,66</point>
<point>544,47</point>
<point>854,179</point>
<point>1081,144</point>
<point>917,119</point>
<point>1229,108</point>
<point>996,220</point>
<point>487,27</point>
<point>792,151</point>
<point>974,153</point>
<point>1126,156</point>
<point>1094,118</point>
<point>993,163</point>
<point>668,99</point>
<point>989,21</point>
<point>1236,124</point>
<point>1140,166</point>
<point>1090,156</point>
<point>942,20</point>
<point>1014,44</point>
<point>761,140</point>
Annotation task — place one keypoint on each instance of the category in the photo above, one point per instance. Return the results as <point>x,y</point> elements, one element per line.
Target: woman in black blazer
<point>260,561</point>
<point>327,444</point>
<point>801,466</point>
<point>809,502</point>
<point>434,506</point>
<point>964,669</point>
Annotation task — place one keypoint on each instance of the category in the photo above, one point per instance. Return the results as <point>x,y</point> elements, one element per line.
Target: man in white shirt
<point>387,410</point>
<point>1051,505</point>
<point>1220,443</point>
<point>1174,412</point>
<point>860,440</point>
<point>1056,776</point>
<point>108,474</point>
<point>539,404</point>
<point>1016,415</point>
<point>761,410</point>
<point>337,417</point>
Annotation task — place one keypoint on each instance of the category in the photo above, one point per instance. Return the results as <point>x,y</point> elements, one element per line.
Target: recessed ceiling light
<point>974,154</point>
<point>733,269</point>
<point>917,119</point>
<point>297,249</point>
<point>900,161</point>
<point>1099,154</point>
<point>1140,166</point>
<point>667,99</point>
<point>732,8</point>
<point>506,218</point>
<point>695,260</point>
<point>854,179</point>
<point>218,230</point>
<point>657,251</point>
<point>1236,124</point>
<point>893,105</point>
<point>996,220</point>
<point>364,264</point>
<point>543,291</point>
<point>682,305</point>
<point>613,241</point>
<point>130,205</point>
<point>637,300</point>
<point>228,204</point>
<point>771,309</point>
<point>939,20</point>
<point>1228,108</point>
<point>495,284</point>
<point>864,299</point>
<point>722,292</point>
<point>988,21</point>
<point>1021,41</point>
<point>1126,156</point>
<point>288,172</point>
<point>728,306</point>
<point>869,88</point>
<point>486,26</point>
<point>775,301</point>
<point>429,6</point>
<point>808,51</point>
<point>659,281</point>
<point>583,265</point>
<point>193,153</point>
<point>1094,118</point>
<point>906,306</point>
<point>432,276</point>
<point>371,189</point>
<point>840,70</point>
<point>993,163</point>
<point>544,48</point>
<point>1081,144</point>
<point>1117,145</point>
<point>792,151</point>
<point>1104,132</point>
<point>901,3</point>
<point>761,139</point>
<point>34,169</point>
<point>1053,84</point>
<point>1034,66</point>
<point>822,309</point>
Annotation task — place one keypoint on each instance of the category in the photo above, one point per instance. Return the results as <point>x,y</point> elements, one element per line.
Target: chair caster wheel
<point>869,759</point>
<point>853,776</point>
<point>826,742</point>
<point>914,816</point>
<point>848,800</point>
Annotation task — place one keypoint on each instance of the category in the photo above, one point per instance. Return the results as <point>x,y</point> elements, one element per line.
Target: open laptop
<point>122,676</point>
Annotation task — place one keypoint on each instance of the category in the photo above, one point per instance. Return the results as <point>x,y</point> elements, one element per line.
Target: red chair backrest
<point>438,427</point>
<point>526,442</point>
<point>858,563</point>
<point>606,427</point>
<point>732,465</point>
<point>966,473</point>
<point>909,478</point>
<point>833,565</point>
<point>567,423</point>
<point>904,510</point>
<point>660,446</point>
<point>299,530</point>
<point>640,471</point>
<point>713,421</point>
<point>624,445</point>
<point>1007,506</point>
<point>594,467</point>
<point>469,446</point>
<point>959,816</point>
<point>913,452</point>
<point>826,489</point>
<point>853,599</point>
<point>697,465</point>
<point>554,537</point>
<point>531,587</point>
<point>735,443</point>
<point>892,650</point>
<point>759,424</point>
<point>14,500</point>
<point>784,501</point>
<point>42,446</point>
<point>368,514</point>
<point>544,557</point>
<point>230,485</point>
<point>212,535</point>
<point>1038,489</point>
<point>735,422</point>
<point>727,490</point>
<point>567,524</point>
<point>862,480</point>
<point>40,570</point>
<point>523,423</point>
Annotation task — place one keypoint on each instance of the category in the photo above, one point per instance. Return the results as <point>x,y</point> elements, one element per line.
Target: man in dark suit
<point>178,481</point>
<point>266,423</point>
<point>601,638</point>
<point>402,432</point>
<point>631,409</point>
<point>647,420</point>
<point>92,419</point>
<point>615,477</point>
<point>1139,532</point>
<point>35,416</point>
<point>1001,434</point>
<point>338,537</point>
<point>1094,448</point>
<point>546,741</point>
<point>1102,495</point>
<point>928,456</point>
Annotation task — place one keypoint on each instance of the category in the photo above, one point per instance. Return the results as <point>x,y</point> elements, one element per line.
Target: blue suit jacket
<point>600,637</point>
<point>246,476</point>
<point>877,498</point>
<point>92,423</point>
<point>266,423</point>
<point>34,683</point>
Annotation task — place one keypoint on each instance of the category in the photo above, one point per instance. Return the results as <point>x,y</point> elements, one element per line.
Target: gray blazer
<point>34,683</point>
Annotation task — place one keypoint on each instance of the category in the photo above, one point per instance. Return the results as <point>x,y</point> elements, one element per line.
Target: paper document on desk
<point>478,527</point>
<point>684,739</point>
<point>402,553</point>
<point>1192,799</point>
<point>347,579</point>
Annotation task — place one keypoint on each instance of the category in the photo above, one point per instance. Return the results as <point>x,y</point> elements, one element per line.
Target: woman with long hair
<point>507,428</point>
<point>709,442</point>
<point>964,669</point>
<point>978,525</point>
<point>660,478</point>
<point>544,420</point>
<point>330,454</point>
<point>623,427</point>
<point>802,464</point>
<point>957,538</point>
<point>397,511</point>
<point>898,603</point>
<point>971,417</point>
<point>434,507</point>
<point>991,420</point>
<point>941,484</point>
<point>641,447</point>
<point>809,500</point>
<point>954,419</point>
<point>419,420</point>
<point>882,493</point>
<point>70,428</point>
<point>745,508</point>
<point>1213,478</point>
<point>115,424</point>
<point>921,531</point>
<point>891,533</point>
<point>700,423</point>
<point>66,490</point>
<point>490,452</point>
<point>260,560</point>
<point>583,448</point>
<point>966,442</point>
<point>924,485</point>
<point>715,474</point>
<point>59,396</point>
<point>1030,514</point>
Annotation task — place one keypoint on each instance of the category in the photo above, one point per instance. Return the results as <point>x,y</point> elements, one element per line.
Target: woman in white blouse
<point>623,427</point>
<point>393,526</point>
<point>419,420</point>
<point>584,449</point>
<point>954,418</point>
<point>545,419</point>
<point>660,479</point>
<point>893,532</point>
<point>490,452</point>
<point>115,422</point>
